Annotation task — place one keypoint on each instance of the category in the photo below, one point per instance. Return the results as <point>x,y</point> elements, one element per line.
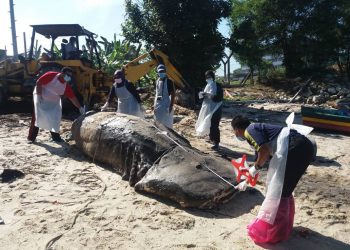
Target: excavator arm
<point>142,65</point>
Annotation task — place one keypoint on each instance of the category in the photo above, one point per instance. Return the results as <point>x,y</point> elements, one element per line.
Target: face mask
<point>239,138</point>
<point>162,75</point>
<point>209,80</point>
<point>118,80</point>
<point>67,78</point>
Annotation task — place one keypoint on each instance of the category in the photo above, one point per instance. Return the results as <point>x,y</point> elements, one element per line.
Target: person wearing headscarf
<point>164,98</point>
<point>210,114</point>
<point>129,101</point>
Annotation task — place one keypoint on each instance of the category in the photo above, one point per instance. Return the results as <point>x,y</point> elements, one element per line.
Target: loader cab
<point>62,38</point>
<point>71,45</point>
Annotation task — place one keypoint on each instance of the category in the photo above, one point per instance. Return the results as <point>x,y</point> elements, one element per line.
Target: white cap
<point>161,67</point>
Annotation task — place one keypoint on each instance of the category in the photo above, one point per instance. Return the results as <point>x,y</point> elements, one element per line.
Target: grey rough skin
<point>154,162</point>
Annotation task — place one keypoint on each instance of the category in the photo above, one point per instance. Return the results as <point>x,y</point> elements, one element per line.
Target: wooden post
<point>25,45</point>
<point>13,29</point>
<point>225,77</point>
<point>228,67</point>
<point>227,63</point>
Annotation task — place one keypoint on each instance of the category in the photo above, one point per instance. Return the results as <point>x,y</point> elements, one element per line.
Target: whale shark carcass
<point>154,159</point>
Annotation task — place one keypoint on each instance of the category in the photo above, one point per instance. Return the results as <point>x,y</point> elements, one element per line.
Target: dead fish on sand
<point>154,159</point>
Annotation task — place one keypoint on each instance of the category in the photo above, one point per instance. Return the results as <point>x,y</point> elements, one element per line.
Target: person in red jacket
<point>47,111</point>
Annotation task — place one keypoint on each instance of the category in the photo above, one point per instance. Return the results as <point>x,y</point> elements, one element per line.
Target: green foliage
<point>244,41</point>
<point>57,51</point>
<point>36,51</point>
<point>184,30</point>
<point>148,80</point>
<point>309,33</point>
<point>275,72</point>
<point>114,54</point>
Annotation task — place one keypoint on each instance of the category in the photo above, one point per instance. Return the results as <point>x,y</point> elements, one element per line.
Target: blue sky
<point>103,17</point>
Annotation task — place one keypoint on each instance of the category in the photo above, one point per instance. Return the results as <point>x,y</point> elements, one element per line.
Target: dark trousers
<point>33,130</point>
<point>300,154</point>
<point>214,134</point>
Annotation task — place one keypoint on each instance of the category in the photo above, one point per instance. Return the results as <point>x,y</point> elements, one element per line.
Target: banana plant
<point>36,51</point>
<point>114,54</point>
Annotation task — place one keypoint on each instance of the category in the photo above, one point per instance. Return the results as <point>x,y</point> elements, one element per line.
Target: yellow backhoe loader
<point>89,82</point>
<point>143,64</point>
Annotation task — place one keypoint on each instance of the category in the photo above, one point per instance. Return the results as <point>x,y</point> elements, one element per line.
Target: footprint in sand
<point>19,212</point>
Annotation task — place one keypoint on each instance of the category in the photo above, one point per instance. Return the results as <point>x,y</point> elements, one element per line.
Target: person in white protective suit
<point>210,114</point>
<point>164,98</point>
<point>291,153</point>
<point>129,101</point>
<point>47,110</point>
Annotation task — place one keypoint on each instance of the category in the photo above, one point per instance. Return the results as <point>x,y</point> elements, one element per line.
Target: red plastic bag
<point>263,232</point>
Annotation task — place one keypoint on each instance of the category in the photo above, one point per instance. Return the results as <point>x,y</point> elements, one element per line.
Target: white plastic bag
<point>208,109</point>
<point>276,172</point>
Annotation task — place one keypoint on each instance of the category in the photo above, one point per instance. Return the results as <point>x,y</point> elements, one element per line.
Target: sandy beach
<point>67,201</point>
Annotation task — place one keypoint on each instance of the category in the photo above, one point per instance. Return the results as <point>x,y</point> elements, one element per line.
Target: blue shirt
<point>258,134</point>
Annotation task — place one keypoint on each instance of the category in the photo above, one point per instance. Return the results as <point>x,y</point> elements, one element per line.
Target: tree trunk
<point>340,66</point>
<point>186,100</point>
<point>251,75</point>
<point>225,77</point>
<point>290,60</point>
<point>348,63</point>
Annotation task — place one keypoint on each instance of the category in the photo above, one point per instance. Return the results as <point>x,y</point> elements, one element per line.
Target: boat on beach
<point>322,118</point>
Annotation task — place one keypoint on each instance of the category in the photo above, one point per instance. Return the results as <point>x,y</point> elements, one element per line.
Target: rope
<point>205,163</point>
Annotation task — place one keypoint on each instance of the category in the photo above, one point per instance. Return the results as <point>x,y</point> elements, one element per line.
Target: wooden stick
<point>300,90</point>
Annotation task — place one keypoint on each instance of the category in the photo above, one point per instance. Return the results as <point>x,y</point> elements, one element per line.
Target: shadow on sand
<point>305,239</point>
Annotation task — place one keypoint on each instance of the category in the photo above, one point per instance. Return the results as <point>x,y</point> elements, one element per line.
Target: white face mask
<point>209,80</point>
<point>162,75</point>
<point>118,80</point>
<point>67,78</point>
<point>239,138</point>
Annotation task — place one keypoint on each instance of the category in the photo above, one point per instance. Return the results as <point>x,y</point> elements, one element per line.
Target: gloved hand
<point>104,107</point>
<point>82,110</point>
<point>242,186</point>
<point>200,95</point>
<point>253,171</point>
<point>206,95</point>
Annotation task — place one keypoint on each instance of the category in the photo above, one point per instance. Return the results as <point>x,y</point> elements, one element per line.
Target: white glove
<point>207,95</point>
<point>253,171</point>
<point>82,110</point>
<point>242,186</point>
<point>200,95</point>
<point>104,107</point>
